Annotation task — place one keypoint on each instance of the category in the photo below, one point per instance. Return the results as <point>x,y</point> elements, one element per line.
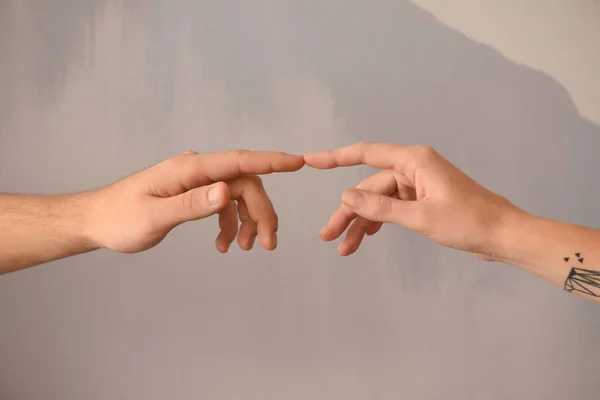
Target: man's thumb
<point>379,208</point>
<point>197,203</point>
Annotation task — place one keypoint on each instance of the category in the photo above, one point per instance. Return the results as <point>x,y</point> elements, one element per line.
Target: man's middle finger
<point>258,206</point>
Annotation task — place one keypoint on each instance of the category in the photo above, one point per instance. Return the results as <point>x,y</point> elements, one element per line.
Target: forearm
<point>38,229</point>
<point>566,255</point>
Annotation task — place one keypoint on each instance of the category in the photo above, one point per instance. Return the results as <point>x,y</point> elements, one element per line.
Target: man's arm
<point>36,229</point>
<point>136,213</point>
<point>422,191</point>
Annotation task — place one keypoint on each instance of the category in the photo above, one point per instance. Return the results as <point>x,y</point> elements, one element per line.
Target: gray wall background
<point>91,91</point>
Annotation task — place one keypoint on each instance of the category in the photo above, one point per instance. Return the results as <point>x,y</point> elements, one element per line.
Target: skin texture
<point>415,188</point>
<point>136,214</point>
<point>420,190</point>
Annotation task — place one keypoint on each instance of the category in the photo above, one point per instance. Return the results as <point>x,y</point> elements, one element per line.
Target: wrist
<point>501,222</point>
<point>509,239</point>
<point>84,205</point>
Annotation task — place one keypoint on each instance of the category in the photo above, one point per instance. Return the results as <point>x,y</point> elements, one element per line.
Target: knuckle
<point>383,205</point>
<point>366,185</point>
<point>241,156</point>
<point>259,182</point>
<point>179,159</point>
<point>253,181</point>
<point>363,145</point>
<point>269,220</point>
<point>240,152</point>
<point>424,152</point>
<point>170,163</point>
<point>176,161</point>
<point>189,202</point>
<point>345,212</point>
<point>423,149</point>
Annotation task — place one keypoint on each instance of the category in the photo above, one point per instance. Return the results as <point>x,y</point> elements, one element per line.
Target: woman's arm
<point>422,191</point>
<point>563,254</point>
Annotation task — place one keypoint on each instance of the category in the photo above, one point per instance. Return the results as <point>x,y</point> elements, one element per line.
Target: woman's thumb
<point>379,208</point>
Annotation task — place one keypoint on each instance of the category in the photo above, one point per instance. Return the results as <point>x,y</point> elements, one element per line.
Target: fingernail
<point>214,196</point>
<point>274,238</point>
<point>353,199</point>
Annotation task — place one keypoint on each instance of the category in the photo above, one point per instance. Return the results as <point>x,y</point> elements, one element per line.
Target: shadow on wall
<point>394,73</point>
<point>397,75</point>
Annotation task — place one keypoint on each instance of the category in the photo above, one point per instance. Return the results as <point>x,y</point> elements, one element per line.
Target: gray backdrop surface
<point>93,90</point>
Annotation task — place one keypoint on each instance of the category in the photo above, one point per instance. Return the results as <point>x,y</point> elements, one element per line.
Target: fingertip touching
<point>295,163</point>
<point>266,162</point>
<point>320,160</point>
<point>378,155</point>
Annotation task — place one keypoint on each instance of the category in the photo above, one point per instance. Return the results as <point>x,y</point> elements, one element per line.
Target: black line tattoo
<point>582,280</point>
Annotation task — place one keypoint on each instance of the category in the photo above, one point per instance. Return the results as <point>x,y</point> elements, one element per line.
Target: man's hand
<point>137,213</point>
<point>418,189</point>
